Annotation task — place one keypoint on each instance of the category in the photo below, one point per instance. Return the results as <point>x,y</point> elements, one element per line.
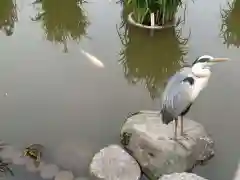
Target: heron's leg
<point>182,132</point>
<point>175,129</point>
<point>182,126</point>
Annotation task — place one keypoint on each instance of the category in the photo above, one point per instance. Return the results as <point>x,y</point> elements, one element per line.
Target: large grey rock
<point>114,163</point>
<point>181,176</point>
<point>149,141</point>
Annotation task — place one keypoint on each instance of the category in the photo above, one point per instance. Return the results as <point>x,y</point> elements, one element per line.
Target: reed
<point>164,10</point>
<point>8,16</point>
<point>230,29</point>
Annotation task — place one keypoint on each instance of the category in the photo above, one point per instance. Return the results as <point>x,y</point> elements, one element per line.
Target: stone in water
<point>150,142</point>
<point>181,176</point>
<point>31,166</point>
<point>48,171</point>
<point>81,178</point>
<point>113,162</point>
<point>64,175</point>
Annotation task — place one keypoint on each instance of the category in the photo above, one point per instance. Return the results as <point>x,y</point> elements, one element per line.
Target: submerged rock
<point>75,156</point>
<point>31,166</point>
<point>49,171</point>
<point>150,142</point>
<point>113,162</point>
<point>81,178</point>
<point>64,175</point>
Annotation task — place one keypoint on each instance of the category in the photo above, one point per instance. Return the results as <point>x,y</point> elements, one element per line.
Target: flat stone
<point>182,176</point>
<point>150,142</point>
<point>113,162</point>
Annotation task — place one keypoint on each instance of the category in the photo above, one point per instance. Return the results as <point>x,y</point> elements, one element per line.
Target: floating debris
<point>34,151</point>
<point>4,168</point>
<point>48,171</point>
<point>93,59</point>
<point>64,175</point>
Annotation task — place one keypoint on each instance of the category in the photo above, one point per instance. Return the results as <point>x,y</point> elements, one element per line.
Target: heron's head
<point>207,61</point>
<point>203,64</point>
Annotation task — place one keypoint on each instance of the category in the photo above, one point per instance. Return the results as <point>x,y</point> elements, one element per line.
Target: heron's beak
<point>219,59</point>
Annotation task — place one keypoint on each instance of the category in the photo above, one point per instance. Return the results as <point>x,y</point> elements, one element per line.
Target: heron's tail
<point>166,116</point>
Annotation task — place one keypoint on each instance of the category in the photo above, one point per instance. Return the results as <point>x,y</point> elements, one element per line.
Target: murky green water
<point>51,93</point>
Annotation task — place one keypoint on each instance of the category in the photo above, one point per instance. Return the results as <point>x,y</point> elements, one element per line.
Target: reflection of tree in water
<point>151,59</point>
<point>230,30</point>
<point>8,16</point>
<point>62,20</point>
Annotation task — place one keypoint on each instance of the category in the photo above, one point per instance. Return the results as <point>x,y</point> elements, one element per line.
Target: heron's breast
<point>198,86</point>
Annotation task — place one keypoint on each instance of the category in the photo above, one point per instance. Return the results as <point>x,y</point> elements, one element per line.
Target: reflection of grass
<point>62,20</point>
<point>151,59</point>
<point>8,16</point>
<point>230,30</point>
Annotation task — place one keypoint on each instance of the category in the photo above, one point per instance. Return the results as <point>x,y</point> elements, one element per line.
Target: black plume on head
<point>201,60</point>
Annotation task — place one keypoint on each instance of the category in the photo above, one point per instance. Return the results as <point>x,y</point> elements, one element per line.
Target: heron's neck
<point>199,71</point>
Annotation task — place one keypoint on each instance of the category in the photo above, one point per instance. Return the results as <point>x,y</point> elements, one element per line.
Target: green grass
<point>8,16</point>
<point>230,29</point>
<point>164,10</point>
<point>150,60</point>
<point>62,20</point>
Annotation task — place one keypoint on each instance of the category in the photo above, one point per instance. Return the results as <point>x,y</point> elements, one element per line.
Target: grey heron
<point>184,87</point>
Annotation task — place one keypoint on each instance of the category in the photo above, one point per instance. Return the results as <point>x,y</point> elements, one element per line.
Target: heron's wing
<point>175,80</point>
<point>177,99</point>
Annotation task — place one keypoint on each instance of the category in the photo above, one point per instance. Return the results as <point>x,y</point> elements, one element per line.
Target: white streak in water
<point>93,59</point>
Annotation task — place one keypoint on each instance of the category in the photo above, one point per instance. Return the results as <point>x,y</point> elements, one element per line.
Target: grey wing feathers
<point>176,98</point>
<point>175,80</point>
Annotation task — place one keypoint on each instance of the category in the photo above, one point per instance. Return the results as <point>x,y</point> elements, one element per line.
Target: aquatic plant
<point>4,168</point>
<point>164,10</point>
<point>230,29</point>
<point>8,16</point>
<point>151,59</point>
<point>62,20</point>
<point>34,151</point>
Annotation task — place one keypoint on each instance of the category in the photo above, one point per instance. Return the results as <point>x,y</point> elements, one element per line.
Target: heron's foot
<point>185,135</point>
<point>175,138</point>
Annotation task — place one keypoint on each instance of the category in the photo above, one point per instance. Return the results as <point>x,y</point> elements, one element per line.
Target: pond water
<point>51,93</point>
